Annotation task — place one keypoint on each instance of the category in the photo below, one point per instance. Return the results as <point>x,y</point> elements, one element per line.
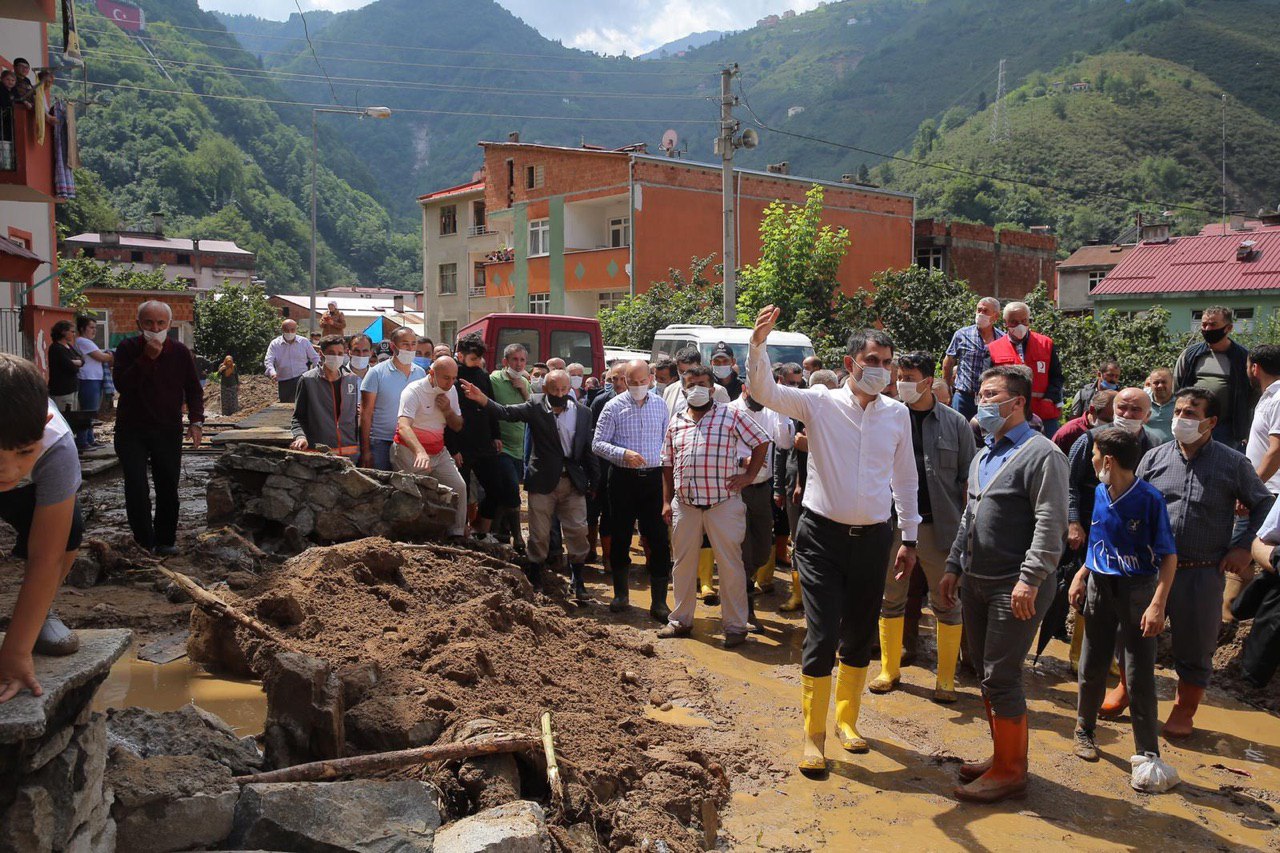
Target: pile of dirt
<point>427,643</point>
<point>1229,675</point>
<point>256,393</point>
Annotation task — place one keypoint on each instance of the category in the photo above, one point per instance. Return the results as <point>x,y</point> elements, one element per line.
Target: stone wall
<point>287,499</point>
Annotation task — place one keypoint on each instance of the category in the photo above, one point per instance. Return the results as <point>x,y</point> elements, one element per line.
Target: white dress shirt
<point>566,426</point>
<point>860,460</point>
<point>1266,423</point>
<point>781,432</point>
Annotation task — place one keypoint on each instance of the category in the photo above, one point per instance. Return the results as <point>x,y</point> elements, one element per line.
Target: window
<point>620,232</point>
<point>449,332</point>
<point>448,220</point>
<point>931,258</point>
<point>103,333</point>
<point>528,338</point>
<point>137,257</point>
<point>1242,319</point>
<point>448,279</point>
<point>184,259</point>
<point>1095,277</point>
<point>539,303</point>
<point>533,177</point>
<point>478,226</point>
<point>539,237</point>
<point>477,280</point>
<point>573,345</point>
<point>611,299</point>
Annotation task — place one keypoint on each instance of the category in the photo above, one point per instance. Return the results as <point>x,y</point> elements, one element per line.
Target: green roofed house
<point>1239,269</point>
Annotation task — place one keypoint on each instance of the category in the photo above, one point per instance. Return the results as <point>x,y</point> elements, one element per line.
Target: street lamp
<point>366,112</point>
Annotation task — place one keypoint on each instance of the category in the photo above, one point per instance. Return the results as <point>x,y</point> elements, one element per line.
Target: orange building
<point>582,228</point>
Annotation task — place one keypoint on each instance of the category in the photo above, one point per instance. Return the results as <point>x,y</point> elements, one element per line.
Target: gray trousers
<point>933,560</point>
<point>724,524</point>
<point>568,505</point>
<point>759,539</point>
<point>1195,610</point>
<point>998,641</point>
<point>444,470</point>
<point>1112,603</point>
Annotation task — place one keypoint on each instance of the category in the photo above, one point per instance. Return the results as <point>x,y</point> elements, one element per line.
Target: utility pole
<point>728,126</point>
<point>1224,163</point>
<point>999,117</point>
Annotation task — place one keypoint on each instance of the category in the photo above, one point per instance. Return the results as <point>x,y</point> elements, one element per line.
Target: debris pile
<point>398,646</point>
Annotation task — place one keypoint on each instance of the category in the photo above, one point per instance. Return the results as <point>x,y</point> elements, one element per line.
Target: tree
<point>864,174</point>
<point>921,308</point>
<point>678,299</point>
<point>240,322</point>
<point>78,274</point>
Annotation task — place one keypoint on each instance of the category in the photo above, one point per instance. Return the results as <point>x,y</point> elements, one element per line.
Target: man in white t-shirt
<point>91,375</point>
<point>428,410</point>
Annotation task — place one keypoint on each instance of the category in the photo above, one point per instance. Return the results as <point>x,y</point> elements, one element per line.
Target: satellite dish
<point>750,139</point>
<point>669,141</point>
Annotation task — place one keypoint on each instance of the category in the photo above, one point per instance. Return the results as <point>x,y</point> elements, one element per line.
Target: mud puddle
<point>168,687</point>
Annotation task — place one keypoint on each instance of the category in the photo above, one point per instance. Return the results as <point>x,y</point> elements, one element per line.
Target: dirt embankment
<point>256,393</point>
<point>439,641</point>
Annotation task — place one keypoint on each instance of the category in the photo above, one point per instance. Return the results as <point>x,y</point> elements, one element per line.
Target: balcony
<point>41,11</point>
<point>597,269</point>
<point>480,230</point>
<point>26,168</point>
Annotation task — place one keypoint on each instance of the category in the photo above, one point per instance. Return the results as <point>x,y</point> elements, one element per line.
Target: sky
<point>604,26</point>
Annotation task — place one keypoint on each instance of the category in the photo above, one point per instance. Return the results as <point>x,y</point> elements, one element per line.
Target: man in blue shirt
<point>967,356</point>
<point>1123,586</point>
<point>380,399</point>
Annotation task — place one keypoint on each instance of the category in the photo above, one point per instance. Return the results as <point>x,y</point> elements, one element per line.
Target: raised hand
<point>765,321</point>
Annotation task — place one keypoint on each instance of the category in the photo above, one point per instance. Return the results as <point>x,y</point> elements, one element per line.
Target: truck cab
<point>575,339</point>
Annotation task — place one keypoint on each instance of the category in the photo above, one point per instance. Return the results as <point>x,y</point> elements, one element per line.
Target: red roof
<point>1197,264</point>
<point>452,191</point>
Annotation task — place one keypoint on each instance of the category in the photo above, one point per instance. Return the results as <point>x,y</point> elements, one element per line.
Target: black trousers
<point>842,572</point>
<point>635,498</point>
<point>1261,602</point>
<point>18,510</point>
<point>498,482</point>
<point>159,453</point>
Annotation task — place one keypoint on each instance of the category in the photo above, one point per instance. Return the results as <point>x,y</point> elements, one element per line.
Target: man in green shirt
<point>511,388</point>
<point>1159,387</point>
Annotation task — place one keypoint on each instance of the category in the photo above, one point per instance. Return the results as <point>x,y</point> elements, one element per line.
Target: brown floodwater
<point>168,687</point>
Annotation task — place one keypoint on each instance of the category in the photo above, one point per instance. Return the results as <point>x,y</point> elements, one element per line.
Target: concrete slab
<point>25,716</point>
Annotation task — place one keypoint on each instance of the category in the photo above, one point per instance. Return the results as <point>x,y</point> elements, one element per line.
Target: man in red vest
<point>1036,351</point>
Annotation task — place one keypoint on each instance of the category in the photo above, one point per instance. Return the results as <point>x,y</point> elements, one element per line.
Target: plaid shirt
<point>970,353</point>
<point>704,454</point>
<point>1201,495</point>
<point>625,425</point>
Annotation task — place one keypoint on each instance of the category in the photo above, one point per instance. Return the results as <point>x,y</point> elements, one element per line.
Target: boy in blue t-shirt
<point>1124,584</point>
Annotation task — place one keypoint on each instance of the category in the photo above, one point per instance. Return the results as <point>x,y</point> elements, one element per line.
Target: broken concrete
<point>519,827</point>
<point>188,731</point>
<point>369,816</point>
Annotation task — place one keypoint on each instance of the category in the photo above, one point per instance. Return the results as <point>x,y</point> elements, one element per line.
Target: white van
<point>783,347</point>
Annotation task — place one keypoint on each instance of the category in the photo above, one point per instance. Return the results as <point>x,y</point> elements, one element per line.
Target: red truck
<point>575,339</point>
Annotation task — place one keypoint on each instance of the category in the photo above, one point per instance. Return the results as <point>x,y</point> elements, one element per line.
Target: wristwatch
<point>909,543</point>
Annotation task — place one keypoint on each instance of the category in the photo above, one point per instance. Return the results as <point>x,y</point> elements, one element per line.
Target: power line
<point>280,102</point>
<point>1042,185</point>
<point>271,73</point>
<point>306,31</point>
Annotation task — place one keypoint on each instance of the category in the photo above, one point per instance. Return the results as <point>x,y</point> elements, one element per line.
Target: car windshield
<point>777,354</point>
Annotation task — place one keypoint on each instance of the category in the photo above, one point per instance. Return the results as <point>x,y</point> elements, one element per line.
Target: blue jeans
<point>382,454</point>
<point>90,400</point>
<point>964,403</point>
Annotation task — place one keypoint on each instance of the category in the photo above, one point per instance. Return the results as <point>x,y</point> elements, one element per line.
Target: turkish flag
<point>126,17</point>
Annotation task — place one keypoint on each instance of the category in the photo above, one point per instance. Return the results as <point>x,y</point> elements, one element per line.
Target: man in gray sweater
<point>1007,549</point>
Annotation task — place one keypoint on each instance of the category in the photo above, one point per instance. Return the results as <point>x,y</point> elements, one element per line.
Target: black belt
<point>1199,564</point>
<point>640,472</point>
<point>758,485</point>
<point>847,529</point>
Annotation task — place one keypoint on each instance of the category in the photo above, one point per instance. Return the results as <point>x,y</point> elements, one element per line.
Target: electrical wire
<point>1041,185</point>
<point>306,31</point>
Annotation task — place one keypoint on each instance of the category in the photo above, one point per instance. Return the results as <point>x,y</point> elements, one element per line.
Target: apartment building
<point>457,245</point>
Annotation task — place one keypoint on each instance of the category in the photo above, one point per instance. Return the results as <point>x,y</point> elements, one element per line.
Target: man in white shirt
<point>1263,447</point>
<point>758,497</point>
<point>861,464</point>
<point>288,357</point>
<point>428,407</point>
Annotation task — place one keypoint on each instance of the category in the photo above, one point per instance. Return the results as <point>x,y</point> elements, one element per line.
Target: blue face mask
<point>1107,386</point>
<point>989,417</point>
<point>422,361</point>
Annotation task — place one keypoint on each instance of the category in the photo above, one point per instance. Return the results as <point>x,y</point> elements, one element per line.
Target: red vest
<point>1039,349</point>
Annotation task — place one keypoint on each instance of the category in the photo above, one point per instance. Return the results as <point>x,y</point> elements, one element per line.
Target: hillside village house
<point>202,264</point>
<point>1081,272</point>
<point>1006,264</point>
<point>1185,275</point>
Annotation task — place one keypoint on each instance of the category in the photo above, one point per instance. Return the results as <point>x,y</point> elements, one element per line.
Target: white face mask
<point>873,380</point>
<point>156,336</point>
<point>1186,430</point>
<point>661,387</point>
<point>722,371</point>
<point>1018,332</point>
<point>1129,425</point>
<point>405,356</point>
<point>982,321</point>
<point>638,392</point>
<point>512,373</point>
<point>909,392</point>
<point>536,385</point>
<point>698,396</point>
<point>359,362</point>
<point>1104,476</point>
<point>334,362</point>
<point>290,336</point>
<point>575,382</point>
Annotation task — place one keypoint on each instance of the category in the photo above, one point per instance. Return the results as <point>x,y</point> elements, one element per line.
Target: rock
<point>332,527</point>
<point>519,827</point>
<point>213,645</point>
<point>189,731</point>
<point>275,504</point>
<point>369,816</point>
<point>304,520</point>
<point>304,711</point>
<point>220,502</point>
<point>357,679</point>
<point>355,484</point>
<point>406,484</point>
<point>322,496</point>
<point>170,802</point>
<point>69,683</point>
<point>490,780</point>
<point>393,722</point>
<point>85,572</point>
<point>241,580</point>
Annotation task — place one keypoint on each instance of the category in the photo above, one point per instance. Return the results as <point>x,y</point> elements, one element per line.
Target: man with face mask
<point>1202,480</point>
<point>1099,413</point>
<point>577,376</point>
<point>1007,548</point>
<point>725,368</point>
<point>598,524</point>
<point>380,392</point>
<point>942,445</point>
<point>155,375</point>
<point>479,443</point>
<point>664,374</point>
<point>325,411</point>
<point>1219,365</point>
<point>860,464</point>
<point>427,411</point>
<point>288,357</point>
<point>1107,379</point>
<point>359,354</point>
<point>967,355</point>
<point>673,395</point>
<point>1022,346</point>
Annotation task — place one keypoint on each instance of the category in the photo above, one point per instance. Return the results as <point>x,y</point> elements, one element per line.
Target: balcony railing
<point>479,231</point>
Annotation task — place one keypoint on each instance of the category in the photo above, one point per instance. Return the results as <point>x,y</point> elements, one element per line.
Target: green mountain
<point>264,38</point>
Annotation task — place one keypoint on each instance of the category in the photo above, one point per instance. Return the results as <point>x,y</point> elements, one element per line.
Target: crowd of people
<point>879,482</point>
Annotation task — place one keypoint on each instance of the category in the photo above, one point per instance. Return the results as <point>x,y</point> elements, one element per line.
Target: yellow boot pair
<point>815,694</point>
<point>706,574</point>
<point>795,602</point>
<point>944,691</point>
<point>890,655</point>
<point>764,574</point>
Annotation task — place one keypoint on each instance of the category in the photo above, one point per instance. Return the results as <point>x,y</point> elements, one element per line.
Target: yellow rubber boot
<point>764,574</point>
<point>795,602</point>
<point>890,655</point>
<point>849,683</point>
<point>1077,643</point>
<point>706,573</point>
<point>948,652</point>
<point>815,696</point>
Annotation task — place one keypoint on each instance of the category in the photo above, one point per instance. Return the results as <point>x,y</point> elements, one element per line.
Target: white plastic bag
<point>1151,774</point>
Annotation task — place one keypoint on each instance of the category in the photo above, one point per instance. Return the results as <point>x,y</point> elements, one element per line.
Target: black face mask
<point>557,402</point>
<point>753,405</point>
<point>1213,336</point>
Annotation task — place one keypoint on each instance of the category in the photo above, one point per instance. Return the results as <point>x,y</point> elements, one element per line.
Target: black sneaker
<point>1085,747</point>
<point>734,640</point>
<point>620,604</point>
<point>165,550</point>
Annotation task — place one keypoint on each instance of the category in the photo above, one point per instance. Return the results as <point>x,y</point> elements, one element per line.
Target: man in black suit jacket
<point>560,474</point>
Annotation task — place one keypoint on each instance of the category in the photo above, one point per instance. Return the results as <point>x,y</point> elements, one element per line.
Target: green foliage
<point>240,323</point>
<point>679,299</point>
<point>91,210</point>
<point>78,274</point>
<point>920,308</point>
